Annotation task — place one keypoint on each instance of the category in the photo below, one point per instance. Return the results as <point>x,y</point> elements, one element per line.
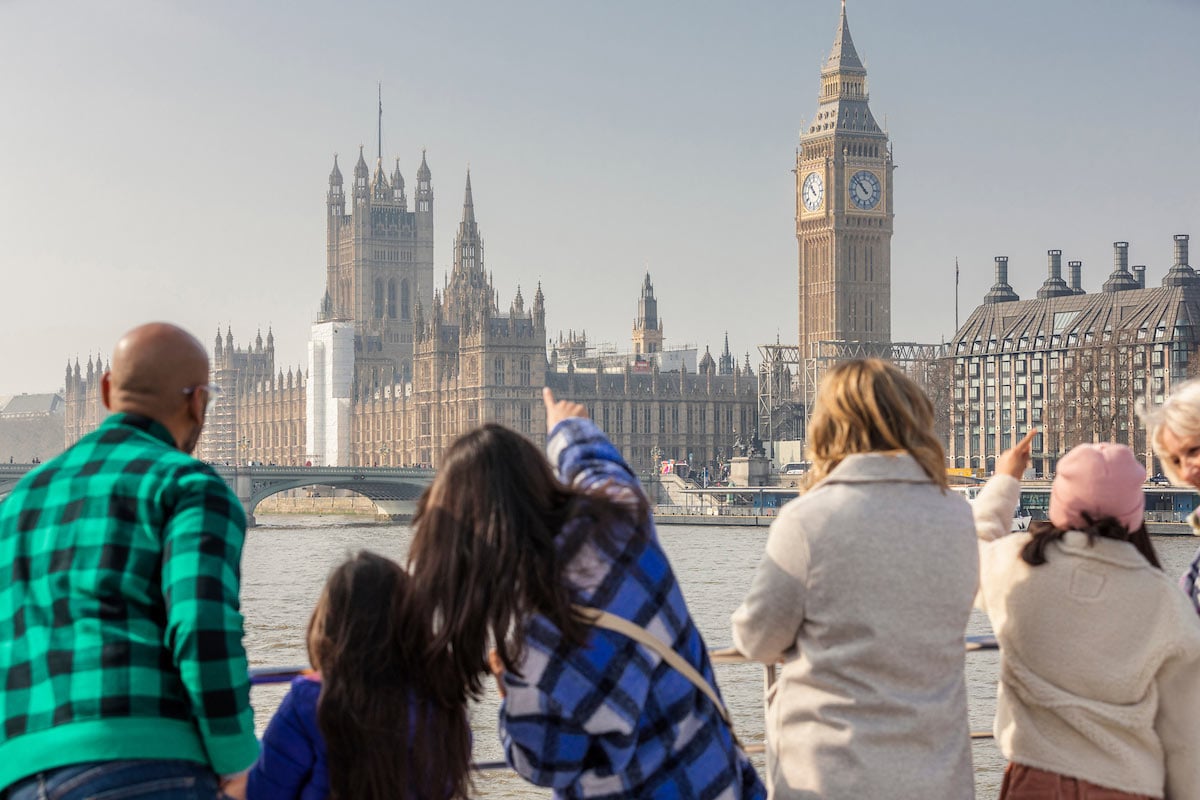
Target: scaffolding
<point>787,384</point>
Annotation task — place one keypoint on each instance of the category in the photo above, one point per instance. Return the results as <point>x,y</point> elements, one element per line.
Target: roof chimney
<point>1075,269</point>
<point>1001,292</point>
<point>1054,286</point>
<point>1180,273</point>
<point>1139,272</point>
<point>1121,278</point>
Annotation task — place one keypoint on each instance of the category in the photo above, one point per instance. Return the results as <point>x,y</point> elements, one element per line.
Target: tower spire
<point>469,202</point>
<point>379,152</point>
<point>844,56</point>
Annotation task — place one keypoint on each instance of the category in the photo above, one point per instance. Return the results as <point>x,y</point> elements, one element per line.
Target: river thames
<point>287,558</point>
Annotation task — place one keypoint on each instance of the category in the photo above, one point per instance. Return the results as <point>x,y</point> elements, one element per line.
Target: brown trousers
<point>1028,783</point>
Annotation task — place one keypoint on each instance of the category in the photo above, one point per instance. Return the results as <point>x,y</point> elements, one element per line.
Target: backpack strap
<point>604,619</point>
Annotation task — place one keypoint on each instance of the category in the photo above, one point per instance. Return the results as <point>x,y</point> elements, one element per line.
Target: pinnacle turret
<point>335,177</point>
<point>398,186</point>
<point>380,188</point>
<point>361,176</point>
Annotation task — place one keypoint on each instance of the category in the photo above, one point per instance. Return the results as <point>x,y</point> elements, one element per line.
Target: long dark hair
<point>387,735</point>
<point>492,543</point>
<point>1043,532</point>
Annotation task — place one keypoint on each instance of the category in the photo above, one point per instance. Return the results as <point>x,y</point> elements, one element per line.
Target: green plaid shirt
<point>120,635</point>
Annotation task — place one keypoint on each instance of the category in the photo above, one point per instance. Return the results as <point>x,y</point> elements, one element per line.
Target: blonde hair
<point>1180,413</point>
<point>870,406</point>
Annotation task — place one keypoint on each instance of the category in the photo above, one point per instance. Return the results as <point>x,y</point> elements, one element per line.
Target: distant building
<point>843,219</point>
<point>397,370</point>
<point>1074,364</point>
<point>31,427</point>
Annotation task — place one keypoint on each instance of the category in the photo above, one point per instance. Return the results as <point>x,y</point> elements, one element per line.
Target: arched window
<point>379,298</point>
<point>405,300</point>
<point>391,298</point>
<point>406,372</point>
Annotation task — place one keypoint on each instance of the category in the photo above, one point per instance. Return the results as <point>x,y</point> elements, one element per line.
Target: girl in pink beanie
<point>1099,651</point>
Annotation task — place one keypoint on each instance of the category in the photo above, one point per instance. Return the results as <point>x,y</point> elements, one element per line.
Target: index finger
<point>1026,443</point>
<point>548,396</point>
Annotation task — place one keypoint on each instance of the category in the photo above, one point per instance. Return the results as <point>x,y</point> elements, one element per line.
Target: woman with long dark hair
<point>370,723</point>
<point>510,555</point>
<point>1099,652</point>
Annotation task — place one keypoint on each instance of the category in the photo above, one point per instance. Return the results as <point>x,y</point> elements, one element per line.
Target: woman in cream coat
<point>864,592</point>
<point>1099,650</point>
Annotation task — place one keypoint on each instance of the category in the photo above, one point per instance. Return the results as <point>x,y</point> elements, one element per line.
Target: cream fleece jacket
<point>864,591</point>
<point>1100,658</point>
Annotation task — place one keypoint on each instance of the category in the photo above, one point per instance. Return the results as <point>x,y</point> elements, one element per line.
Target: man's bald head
<point>152,365</point>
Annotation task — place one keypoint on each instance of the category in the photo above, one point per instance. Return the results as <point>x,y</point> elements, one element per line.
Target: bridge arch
<point>394,490</point>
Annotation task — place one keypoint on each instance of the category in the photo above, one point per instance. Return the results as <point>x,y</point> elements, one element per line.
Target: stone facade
<point>83,408</point>
<point>428,365</point>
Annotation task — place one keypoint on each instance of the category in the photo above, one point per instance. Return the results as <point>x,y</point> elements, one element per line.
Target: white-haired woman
<point>1175,434</point>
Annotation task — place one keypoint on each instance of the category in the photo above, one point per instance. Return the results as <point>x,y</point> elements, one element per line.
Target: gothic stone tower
<point>647,328</point>
<point>844,210</point>
<point>380,262</point>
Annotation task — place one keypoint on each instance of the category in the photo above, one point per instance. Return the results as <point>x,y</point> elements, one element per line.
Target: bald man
<point>121,660</point>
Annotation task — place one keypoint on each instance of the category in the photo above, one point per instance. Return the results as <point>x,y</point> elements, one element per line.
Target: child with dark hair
<point>367,724</point>
<point>1099,651</point>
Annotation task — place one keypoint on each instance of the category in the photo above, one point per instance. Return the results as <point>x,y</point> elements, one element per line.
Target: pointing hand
<point>558,410</point>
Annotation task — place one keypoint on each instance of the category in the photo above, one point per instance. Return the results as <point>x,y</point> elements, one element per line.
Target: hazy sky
<point>170,160</point>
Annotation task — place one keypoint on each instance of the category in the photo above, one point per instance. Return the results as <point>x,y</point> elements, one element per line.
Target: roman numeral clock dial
<point>813,191</point>
<point>864,189</point>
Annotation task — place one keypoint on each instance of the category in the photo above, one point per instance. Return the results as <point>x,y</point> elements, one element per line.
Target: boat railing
<point>260,676</point>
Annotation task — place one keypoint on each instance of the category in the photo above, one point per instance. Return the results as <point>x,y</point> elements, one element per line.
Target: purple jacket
<point>292,763</point>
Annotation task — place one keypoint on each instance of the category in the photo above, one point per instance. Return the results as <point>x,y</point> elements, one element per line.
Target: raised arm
<point>582,454</point>
<point>994,507</point>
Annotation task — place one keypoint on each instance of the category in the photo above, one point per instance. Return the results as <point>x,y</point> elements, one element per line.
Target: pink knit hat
<point>1101,480</point>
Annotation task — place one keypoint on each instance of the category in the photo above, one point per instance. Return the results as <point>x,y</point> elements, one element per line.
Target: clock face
<point>813,192</point>
<point>864,189</point>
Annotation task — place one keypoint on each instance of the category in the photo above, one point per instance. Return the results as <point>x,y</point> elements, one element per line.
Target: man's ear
<point>106,389</point>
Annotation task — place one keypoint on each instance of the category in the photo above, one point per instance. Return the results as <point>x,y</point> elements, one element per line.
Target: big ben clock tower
<point>844,212</point>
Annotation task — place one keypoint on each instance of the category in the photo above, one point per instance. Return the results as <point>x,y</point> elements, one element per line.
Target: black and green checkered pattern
<point>120,634</point>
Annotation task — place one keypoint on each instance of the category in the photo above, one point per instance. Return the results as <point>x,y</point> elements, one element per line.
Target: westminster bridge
<point>394,490</point>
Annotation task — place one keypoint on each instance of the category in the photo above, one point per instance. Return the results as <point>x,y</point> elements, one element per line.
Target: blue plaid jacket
<point>611,719</point>
<point>1190,582</point>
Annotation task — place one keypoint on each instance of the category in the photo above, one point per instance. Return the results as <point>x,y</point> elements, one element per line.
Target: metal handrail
<point>262,676</point>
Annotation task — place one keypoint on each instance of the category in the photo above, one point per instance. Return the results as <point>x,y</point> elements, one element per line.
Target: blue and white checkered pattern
<point>611,719</point>
<point>1190,582</point>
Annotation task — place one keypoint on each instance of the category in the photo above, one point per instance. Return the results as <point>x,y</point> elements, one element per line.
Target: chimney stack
<point>1120,257</point>
<point>1180,274</point>
<point>1054,286</point>
<point>1121,278</point>
<point>1139,272</point>
<point>1075,269</point>
<point>1001,292</point>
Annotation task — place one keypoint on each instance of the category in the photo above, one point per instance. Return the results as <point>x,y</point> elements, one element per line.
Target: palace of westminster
<point>397,367</point>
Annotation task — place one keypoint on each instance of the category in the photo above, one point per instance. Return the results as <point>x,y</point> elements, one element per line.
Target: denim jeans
<point>116,780</point>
